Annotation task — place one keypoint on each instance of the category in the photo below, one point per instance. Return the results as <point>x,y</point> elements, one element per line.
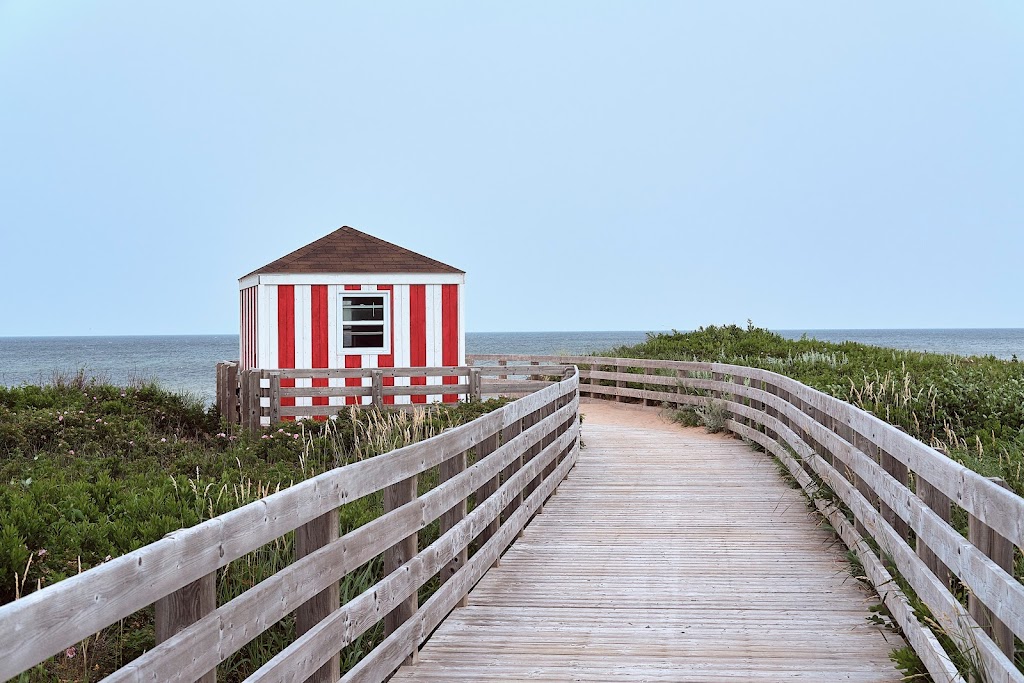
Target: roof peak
<point>348,250</point>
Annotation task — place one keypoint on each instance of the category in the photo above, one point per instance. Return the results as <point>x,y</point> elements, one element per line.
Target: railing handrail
<point>253,397</point>
<point>868,464</point>
<point>531,440</point>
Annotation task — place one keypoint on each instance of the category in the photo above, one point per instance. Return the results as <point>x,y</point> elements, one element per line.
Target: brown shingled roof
<point>346,250</point>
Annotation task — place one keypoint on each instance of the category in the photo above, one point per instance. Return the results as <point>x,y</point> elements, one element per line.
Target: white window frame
<point>354,350</point>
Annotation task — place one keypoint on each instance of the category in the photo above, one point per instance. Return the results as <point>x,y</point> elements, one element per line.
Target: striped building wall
<point>296,326</point>
<point>248,357</point>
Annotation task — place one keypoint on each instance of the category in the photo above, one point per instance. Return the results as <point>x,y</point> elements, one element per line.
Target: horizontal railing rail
<point>495,473</point>
<point>261,397</point>
<point>890,497</point>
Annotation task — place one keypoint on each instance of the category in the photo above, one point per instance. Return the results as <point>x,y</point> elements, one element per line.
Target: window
<point>366,321</point>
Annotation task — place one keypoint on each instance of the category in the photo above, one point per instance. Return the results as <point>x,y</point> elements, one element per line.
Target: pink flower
<point>42,552</point>
<point>60,419</point>
<point>163,440</point>
<point>99,420</point>
<point>123,394</point>
<point>295,436</point>
<point>70,652</point>
<point>71,452</point>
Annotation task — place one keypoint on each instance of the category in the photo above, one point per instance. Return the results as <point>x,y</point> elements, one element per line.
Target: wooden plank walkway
<point>668,555</point>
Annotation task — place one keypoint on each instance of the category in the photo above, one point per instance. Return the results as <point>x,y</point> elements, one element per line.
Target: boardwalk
<point>668,555</point>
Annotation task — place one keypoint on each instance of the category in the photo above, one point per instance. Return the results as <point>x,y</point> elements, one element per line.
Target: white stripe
<point>434,335</point>
<point>402,334</point>
<point>303,339</point>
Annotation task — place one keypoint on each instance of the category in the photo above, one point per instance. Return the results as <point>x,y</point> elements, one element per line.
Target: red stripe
<point>418,334</point>
<point>353,288</point>
<point>450,334</point>
<point>286,336</point>
<point>388,361</point>
<point>319,350</point>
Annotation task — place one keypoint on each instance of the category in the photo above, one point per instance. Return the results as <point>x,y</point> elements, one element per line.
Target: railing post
<point>275,397</point>
<point>502,363</point>
<point>395,496</point>
<point>943,507</point>
<point>489,487</point>
<point>474,384</point>
<point>184,607</point>
<point>309,537</point>
<point>507,434</point>
<point>899,472</point>
<point>1000,551</point>
<point>377,388</point>
<point>619,384</point>
<point>231,407</point>
<point>736,379</point>
<point>865,445</point>
<point>448,469</point>
<point>528,422</point>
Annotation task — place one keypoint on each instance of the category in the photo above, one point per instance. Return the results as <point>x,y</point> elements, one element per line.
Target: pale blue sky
<point>592,166</point>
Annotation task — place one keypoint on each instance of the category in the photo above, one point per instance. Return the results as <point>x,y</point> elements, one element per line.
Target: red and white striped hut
<point>351,300</point>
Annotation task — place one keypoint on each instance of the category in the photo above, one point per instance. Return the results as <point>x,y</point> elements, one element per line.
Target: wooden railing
<point>888,496</point>
<point>262,397</point>
<point>495,473</point>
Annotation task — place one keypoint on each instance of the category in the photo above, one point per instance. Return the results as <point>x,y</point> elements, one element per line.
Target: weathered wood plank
<point>184,607</point>
<point>309,538</point>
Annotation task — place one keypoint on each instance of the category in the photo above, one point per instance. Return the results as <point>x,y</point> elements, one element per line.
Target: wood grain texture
<point>309,538</point>
<point>668,555</point>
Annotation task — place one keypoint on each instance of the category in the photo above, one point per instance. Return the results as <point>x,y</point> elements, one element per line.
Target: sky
<point>590,165</point>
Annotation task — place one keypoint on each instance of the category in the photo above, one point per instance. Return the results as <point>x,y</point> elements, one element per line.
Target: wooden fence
<point>890,498</point>
<point>495,473</point>
<point>255,398</point>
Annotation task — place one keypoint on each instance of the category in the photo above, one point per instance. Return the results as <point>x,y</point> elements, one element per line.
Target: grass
<point>93,471</point>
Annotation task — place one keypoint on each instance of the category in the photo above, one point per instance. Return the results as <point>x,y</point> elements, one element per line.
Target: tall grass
<point>92,471</point>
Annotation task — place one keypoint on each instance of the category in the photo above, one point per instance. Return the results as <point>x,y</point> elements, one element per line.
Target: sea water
<point>187,363</point>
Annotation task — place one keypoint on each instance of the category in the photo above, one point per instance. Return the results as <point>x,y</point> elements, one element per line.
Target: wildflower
<point>295,436</point>
<point>280,431</point>
<point>60,418</point>
<point>71,452</point>
<point>232,438</point>
<point>81,412</point>
<point>107,558</point>
<point>163,440</point>
<point>41,552</point>
<point>123,394</point>
<point>99,420</point>
<point>131,443</point>
<point>222,435</point>
<point>70,652</point>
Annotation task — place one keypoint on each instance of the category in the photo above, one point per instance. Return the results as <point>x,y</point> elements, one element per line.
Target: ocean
<point>186,363</point>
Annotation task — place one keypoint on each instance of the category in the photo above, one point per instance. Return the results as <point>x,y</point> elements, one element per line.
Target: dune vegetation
<point>92,471</point>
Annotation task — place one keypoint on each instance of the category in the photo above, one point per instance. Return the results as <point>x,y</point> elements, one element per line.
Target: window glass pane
<point>362,308</point>
<point>364,336</point>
